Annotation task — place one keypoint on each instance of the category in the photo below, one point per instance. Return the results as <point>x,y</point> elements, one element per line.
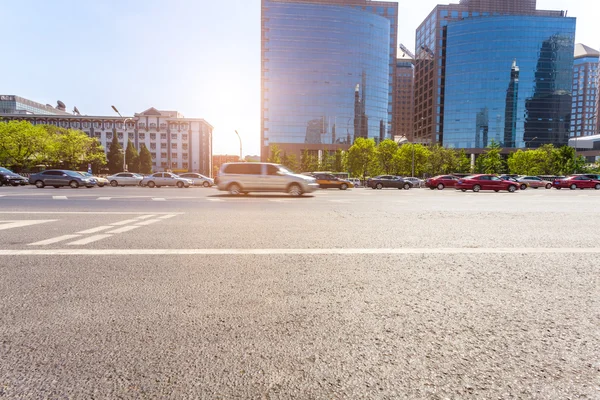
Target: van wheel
<point>234,189</point>
<point>295,190</point>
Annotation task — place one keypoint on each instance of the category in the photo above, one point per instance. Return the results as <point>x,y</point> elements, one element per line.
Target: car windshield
<point>6,171</point>
<point>73,173</point>
<point>284,170</point>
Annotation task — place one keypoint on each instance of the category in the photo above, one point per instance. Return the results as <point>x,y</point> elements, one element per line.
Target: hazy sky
<point>199,57</point>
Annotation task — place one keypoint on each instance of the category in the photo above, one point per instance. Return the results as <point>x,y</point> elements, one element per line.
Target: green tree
<point>115,156</point>
<point>274,154</point>
<point>566,162</point>
<point>308,162</point>
<point>463,164</point>
<point>132,158</point>
<point>525,162</point>
<point>22,144</point>
<point>339,164</point>
<point>403,159</point>
<point>145,160</point>
<point>72,147</point>
<point>492,159</point>
<point>386,150</point>
<point>327,161</point>
<point>361,157</point>
<point>95,155</point>
<point>289,161</point>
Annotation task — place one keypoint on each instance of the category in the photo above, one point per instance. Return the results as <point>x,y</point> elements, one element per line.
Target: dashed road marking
<point>96,229</point>
<point>159,199</point>
<point>104,198</point>
<point>215,200</point>
<point>88,240</point>
<point>125,229</point>
<point>163,217</point>
<point>59,197</point>
<point>54,240</point>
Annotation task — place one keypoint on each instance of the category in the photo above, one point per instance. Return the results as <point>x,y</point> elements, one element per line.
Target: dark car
<point>441,181</point>
<point>485,182</point>
<point>61,177</point>
<point>7,177</point>
<point>577,182</point>
<point>388,181</point>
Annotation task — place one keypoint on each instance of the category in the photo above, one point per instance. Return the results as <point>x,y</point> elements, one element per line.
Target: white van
<point>242,178</point>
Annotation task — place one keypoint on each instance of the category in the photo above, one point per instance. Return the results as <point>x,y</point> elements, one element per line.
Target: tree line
<point>25,147</point>
<point>366,158</point>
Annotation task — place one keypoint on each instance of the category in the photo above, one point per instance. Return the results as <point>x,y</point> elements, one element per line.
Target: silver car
<point>415,181</point>
<point>159,179</point>
<point>60,177</point>
<point>237,178</point>
<point>198,179</point>
<point>125,179</point>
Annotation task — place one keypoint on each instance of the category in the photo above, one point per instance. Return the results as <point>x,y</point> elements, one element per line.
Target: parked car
<point>356,182</point>
<point>535,182</point>
<point>100,181</point>
<point>441,182</point>
<point>61,177</point>
<point>328,181</point>
<point>242,178</point>
<point>388,181</point>
<point>577,182</point>
<point>125,179</point>
<point>485,182</point>
<point>7,177</point>
<point>522,185</point>
<point>198,179</point>
<point>416,182</point>
<point>159,179</point>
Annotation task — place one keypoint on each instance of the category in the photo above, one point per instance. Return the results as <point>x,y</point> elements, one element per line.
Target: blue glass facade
<point>585,96</point>
<point>508,79</point>
<point>327,72</point>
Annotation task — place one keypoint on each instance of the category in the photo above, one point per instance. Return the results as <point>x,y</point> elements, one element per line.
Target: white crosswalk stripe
<point>88,240</point>
<point>54,240</point>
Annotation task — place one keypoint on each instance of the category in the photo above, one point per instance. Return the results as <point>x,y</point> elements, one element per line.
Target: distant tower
<point>510,111</point>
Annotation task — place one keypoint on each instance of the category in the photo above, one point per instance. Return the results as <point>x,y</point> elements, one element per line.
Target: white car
<point>125,179</point>
<point>159,179</point>
<point>198,179</point>
<point>415,181</point>
<point>100,181</point>
<point>356,182</point>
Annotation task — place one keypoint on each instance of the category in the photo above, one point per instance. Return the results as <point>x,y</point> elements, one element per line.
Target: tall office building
<point>483,72</point>
<point>10,104</point>
<point>586,77</point>
<point>402,122</point>
<point>328,73</point>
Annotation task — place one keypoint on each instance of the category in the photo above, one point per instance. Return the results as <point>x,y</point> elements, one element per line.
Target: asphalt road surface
<point>358,294</point>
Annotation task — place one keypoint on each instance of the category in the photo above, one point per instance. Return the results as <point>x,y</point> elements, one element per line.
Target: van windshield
<point>284,170</point>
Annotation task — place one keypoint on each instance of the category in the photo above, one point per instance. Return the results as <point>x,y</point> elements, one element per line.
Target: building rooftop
<point>581,51</point>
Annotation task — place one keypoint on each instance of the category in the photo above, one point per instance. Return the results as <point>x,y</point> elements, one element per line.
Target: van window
<point>246,169</point>
<point>272,170</point>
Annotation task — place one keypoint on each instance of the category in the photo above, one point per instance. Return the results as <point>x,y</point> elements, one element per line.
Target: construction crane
<point>406,51</point>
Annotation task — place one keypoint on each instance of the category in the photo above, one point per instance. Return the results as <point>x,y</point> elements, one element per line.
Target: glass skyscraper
<point>508,79</point>
<point>586,81</point>
<point>328,73</point>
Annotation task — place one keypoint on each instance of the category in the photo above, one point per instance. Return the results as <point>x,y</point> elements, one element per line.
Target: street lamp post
<point>124,130</point>
<point>239,137</point>
<point>529,141</point>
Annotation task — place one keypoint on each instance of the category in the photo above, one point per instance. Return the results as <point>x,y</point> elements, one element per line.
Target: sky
<point>199,57</point>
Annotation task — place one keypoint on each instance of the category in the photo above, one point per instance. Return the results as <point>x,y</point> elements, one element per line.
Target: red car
<point>441,181</point>
<point>485,182</point>
<point>577,182</point>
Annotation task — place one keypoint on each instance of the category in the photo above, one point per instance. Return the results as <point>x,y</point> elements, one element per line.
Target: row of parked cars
<point>511,183</point>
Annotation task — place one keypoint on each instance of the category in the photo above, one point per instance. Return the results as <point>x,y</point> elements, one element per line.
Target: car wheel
<point>548,186</point>
<point>151,184</point>
<point>295,190</point>
<point>440,186</point>
<point>432,188</point>
<point>523,187</point>
<point>597,187</point>
<point>379,186</point>
<point>558,188</point>
<point>101,185</point>
<point>180,185</point>
<point>234,189</point>
<point>74,184</point>
<point>496,190</point>
<point>343,186</point>
<point>39,184</point>
<point>56,186</point>
<point>573,187</point>
<point>206,184</point>
<point>476,188</point>
<point>463,190</point>
<point>512,188</point>
<point>114,183</point>
<point>406,186</point>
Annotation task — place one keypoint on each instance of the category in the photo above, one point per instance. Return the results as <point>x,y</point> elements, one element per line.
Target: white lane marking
<point>125,222</point>
<point>18,224</point>
<point>214,199</point>
<point>89,212</point>
<point>97,229</point>
<point>59,197</point>
<point>53,240</point>
<point>340,201</point>
<point>88,240</point>
<point>1,195</point>
<point>147,222</point>
<point>279,201</point>
<point>150,216</point>
<point>104,198</point>
<point>164,216</point>
<point>336,251</point>
<point>159,199</point>
<point>124,229</point>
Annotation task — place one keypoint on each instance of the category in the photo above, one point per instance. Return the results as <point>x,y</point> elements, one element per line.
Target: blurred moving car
<point>100,182</point>
<point>356,182</point>
<point>242,178</point>
<point>7,177</point>
<point>535,181</point>
<point>328,181</point>
<point>198,179</point>
<point>577,182</point>
<point>388,181</point>
<point>125,179</point>
<point>60,177</point>
<point>441,182</point>
<point>485,182</point>
<point>522,185</point>
<point>416,182</point>
<point>159,179</point>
